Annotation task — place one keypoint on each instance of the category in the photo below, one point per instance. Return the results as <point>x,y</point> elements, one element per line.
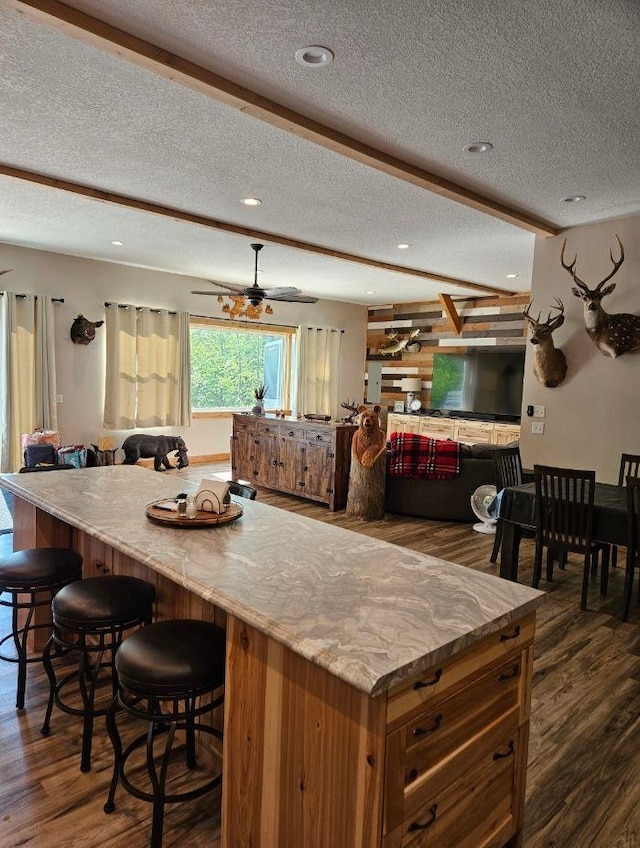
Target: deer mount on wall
<point>614,334</point>
<point>549,362</point>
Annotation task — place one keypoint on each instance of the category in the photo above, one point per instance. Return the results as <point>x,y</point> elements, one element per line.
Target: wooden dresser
<point>463,430</point>
<point>306,458</point>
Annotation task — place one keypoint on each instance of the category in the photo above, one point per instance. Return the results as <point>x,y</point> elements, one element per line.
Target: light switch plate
<point>537,427</point>
<point>58,398</point>
<point>539,411</point>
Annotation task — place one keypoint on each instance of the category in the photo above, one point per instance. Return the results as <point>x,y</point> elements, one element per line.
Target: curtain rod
<point>54,299</point>
<point>131,306</point>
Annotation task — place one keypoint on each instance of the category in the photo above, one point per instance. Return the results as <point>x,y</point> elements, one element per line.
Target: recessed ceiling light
<point>403,246</point>
<point>576,198</point>
<point>314,56</point>
<point>478,147</point>
<point>117,243</point>
<point>251,201</point>
<point>511,276</point>
<point>369,292</point>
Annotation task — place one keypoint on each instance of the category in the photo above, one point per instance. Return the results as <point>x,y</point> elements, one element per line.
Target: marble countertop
<point>370,612</point>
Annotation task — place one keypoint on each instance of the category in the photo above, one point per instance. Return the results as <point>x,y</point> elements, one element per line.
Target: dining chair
<point>241,490</point>
<point>508,468</point>
<point>633,541</point>
<point>564,523</point>
<point>629,467</point>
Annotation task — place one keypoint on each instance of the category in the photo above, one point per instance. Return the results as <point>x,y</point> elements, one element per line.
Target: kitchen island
<point>374,696</point>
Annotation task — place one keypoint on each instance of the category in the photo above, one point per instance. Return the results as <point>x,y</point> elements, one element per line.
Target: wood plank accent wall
<point>486,322</point>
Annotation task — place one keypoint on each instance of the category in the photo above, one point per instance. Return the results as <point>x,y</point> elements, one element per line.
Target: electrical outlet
<point>58,398</point>
<point>537,427</point>
<point>539,411</point>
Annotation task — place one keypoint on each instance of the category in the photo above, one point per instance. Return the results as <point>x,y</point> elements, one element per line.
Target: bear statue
<point>142,446</point>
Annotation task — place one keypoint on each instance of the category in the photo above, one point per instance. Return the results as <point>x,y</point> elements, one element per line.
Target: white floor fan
<point>481,500</point>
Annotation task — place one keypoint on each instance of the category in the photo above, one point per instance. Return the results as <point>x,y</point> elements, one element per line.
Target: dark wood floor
<point>583,788</point>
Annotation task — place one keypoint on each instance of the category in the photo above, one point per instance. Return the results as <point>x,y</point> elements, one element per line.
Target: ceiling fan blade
<point>210,293</point>
<point>234,287</point>
<point>281,291</point>
<point>293,298</point>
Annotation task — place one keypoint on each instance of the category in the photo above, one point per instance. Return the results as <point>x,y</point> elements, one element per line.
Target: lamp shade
<point>411,384</point>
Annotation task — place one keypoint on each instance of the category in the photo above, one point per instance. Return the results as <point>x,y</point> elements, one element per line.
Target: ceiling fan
<point>255,294</point>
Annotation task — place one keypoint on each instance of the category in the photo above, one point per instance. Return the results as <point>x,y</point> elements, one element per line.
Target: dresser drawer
<point>442,728</point>
<point>268,428</point>
<point>244,425</point>
<point>321,437</point>
<point>437,429</point>
<point>407,701</point>
<point>290,431</point>
<point>474,432</point>
<point>448,808</point>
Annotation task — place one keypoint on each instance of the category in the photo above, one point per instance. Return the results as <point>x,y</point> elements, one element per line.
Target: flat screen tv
<point>479,382</point>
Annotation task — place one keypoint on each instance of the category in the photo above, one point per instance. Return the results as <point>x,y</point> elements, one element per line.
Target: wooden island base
<point>311,761</point>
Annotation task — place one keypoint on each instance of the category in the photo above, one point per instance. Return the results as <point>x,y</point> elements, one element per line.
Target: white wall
<point>594,415</point>
<point>86,284</point>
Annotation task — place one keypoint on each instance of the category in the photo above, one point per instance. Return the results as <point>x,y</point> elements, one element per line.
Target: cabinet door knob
<point>319,438</point>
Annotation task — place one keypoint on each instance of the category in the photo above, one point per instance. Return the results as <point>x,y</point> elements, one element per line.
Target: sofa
<point>443,500</point>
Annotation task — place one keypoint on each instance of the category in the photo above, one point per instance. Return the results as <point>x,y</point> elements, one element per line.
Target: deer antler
<point>616,264</point>
<point>558,321</point>
<point>534,322</point>
<point>571,267</point>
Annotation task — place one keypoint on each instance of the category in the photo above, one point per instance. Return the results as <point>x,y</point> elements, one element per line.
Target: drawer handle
<point>318,438</point>
<point>509,675</point>
<point>510,750</point>
<point>292,432</point>
<point>425,731</point>
<point>422,684</point>
<point>505,636</point>
<point>417,826</point>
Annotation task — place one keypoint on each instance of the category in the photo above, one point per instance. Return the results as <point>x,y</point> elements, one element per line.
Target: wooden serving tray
<point>202,518</point>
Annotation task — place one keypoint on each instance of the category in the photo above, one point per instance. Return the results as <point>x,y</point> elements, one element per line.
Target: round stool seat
<point>39,567</point>
<point>98,602</point>
<point>172,657</point>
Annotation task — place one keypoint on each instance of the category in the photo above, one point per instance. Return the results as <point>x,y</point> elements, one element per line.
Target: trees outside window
<point>229,361</point>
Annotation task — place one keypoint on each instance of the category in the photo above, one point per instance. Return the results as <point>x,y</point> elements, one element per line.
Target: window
<point>228,361</point>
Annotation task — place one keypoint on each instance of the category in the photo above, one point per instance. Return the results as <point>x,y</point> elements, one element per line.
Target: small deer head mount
<point>549,362</point>
<point>613,335</point>
<point>83,331</point>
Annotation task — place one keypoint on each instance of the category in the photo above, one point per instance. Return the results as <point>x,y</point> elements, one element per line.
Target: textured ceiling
<point>552,84</point>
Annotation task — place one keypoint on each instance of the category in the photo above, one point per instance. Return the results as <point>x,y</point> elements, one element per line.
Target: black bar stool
<point>30,579</point>
<point>167,676</point>
<point>92,616</point>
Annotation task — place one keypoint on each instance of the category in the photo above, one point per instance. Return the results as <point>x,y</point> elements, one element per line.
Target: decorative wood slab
<point>156,512</point>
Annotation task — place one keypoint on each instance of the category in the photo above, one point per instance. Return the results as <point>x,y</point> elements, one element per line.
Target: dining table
<point>518,512</point>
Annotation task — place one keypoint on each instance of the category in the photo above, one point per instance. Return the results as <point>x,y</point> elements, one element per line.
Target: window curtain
<point>27,372</point>
<point>148,380</point>
<point>318,370</point>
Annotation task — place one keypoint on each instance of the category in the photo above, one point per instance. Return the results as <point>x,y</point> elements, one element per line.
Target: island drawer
<point>292,432</point>
<point>409,699</point>
<point>442,728</point>
<point>244,425</point>
<point>449,807</point>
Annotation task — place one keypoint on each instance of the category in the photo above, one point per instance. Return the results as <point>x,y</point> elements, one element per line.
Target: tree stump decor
<point>367,475</point>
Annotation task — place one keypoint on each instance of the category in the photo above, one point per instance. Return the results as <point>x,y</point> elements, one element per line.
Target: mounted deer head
<point>549,362</point>
<point>613,335</point>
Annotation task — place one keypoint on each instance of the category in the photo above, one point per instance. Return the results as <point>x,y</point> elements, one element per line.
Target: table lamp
<point>411,385</point>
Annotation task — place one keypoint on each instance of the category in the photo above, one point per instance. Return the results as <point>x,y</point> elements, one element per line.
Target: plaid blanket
<point>420,456</point>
